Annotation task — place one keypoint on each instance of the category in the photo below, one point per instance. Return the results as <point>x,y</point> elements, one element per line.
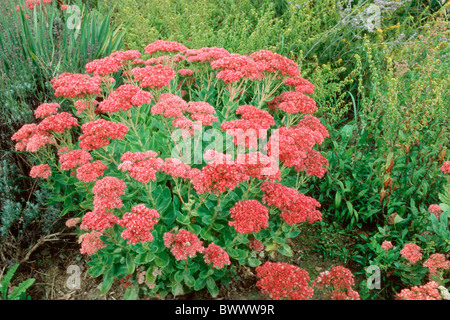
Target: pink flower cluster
<point>206,54</point>
<point>253,124</point>
<point>201,111</point>
<point>98,220</point>
<point>183,244</point>
<point>74,158</point>
<point>46,109</point>
<point>41,171</point>
<point>276,63</point>
<point>341,280</point>
<point>218,175</point>
<point>176,168</point>
<point>295,207</point>
<point>142,166</point>
<point>236,67</point>
<point>103,66</point>
<point>59,122</point>
<point>445,168</point>
<point>73,85</point>
<point>436,210</point>
<point>387,245</point>
<point>91,242</point>
<point>436,261</point>
<point>96,133</point>
<point>173,106</point>
<point>112,63</point>
<point>164,46</point>
<point>31,139</point>
<point>154,77</point>
<point>91,171</point>
<point>107,192</point>
<point>169,106</point>
<point>255,244</point>
<point>294,145</point>
<point>301,85</point>
<point>124,98</point>
<point>428,291</point>
<point>411,252</point>
<point>293,102</point>
<point>215,255</point>
<point>249,216</point>
<point>139,223</point>
<point>284,281</point>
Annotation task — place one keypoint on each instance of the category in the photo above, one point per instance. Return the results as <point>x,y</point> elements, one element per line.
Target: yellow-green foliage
<point>410,88</point>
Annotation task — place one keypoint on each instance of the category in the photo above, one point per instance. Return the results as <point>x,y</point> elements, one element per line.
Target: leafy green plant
<point>14,293</point>
<point>197,207</point>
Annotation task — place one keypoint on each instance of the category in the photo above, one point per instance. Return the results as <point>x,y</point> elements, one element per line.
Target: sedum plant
<point>179,165</point>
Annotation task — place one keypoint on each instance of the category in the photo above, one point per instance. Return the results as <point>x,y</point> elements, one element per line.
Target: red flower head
<point>23,135</point>
<point>249,216</point>
<point>96,133</point>
<point>41,171</point>
<point>139,223</point>
<point>142,166</point>
<point>274,62</point>
<point>206,54</point>
<point>215,255</point>
<point>236,67</point>
<point>411,252</point>
<point>300,84</point>
<point>218,175</point>
<point>169,106</point>
<point>74,158</point>
<point>175,168</point>
<point>59,122</point>
<point>428,291</point>
<point>255,244</point>
<point>284,281</point>
<point>259,166</point>
<point>46,109</point>
<point>446,167</point>
<point>436,261</point>
<point>184,244</point>
<point>295,207</point>
<point>107,192</point>
<point>387,245</point>
<point>154,77</point>
<point>123,56</point>
<point>436,210</point>
<point>291,145</point>
<point>98,220</point>
<point>104,66</point>
<point>73,85</point>
<point>124,98</point>
<point>293,102</point>
<point>164,46</point>
<point>91,242</point>
<point>91,171</point>
<point>253,124</point>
